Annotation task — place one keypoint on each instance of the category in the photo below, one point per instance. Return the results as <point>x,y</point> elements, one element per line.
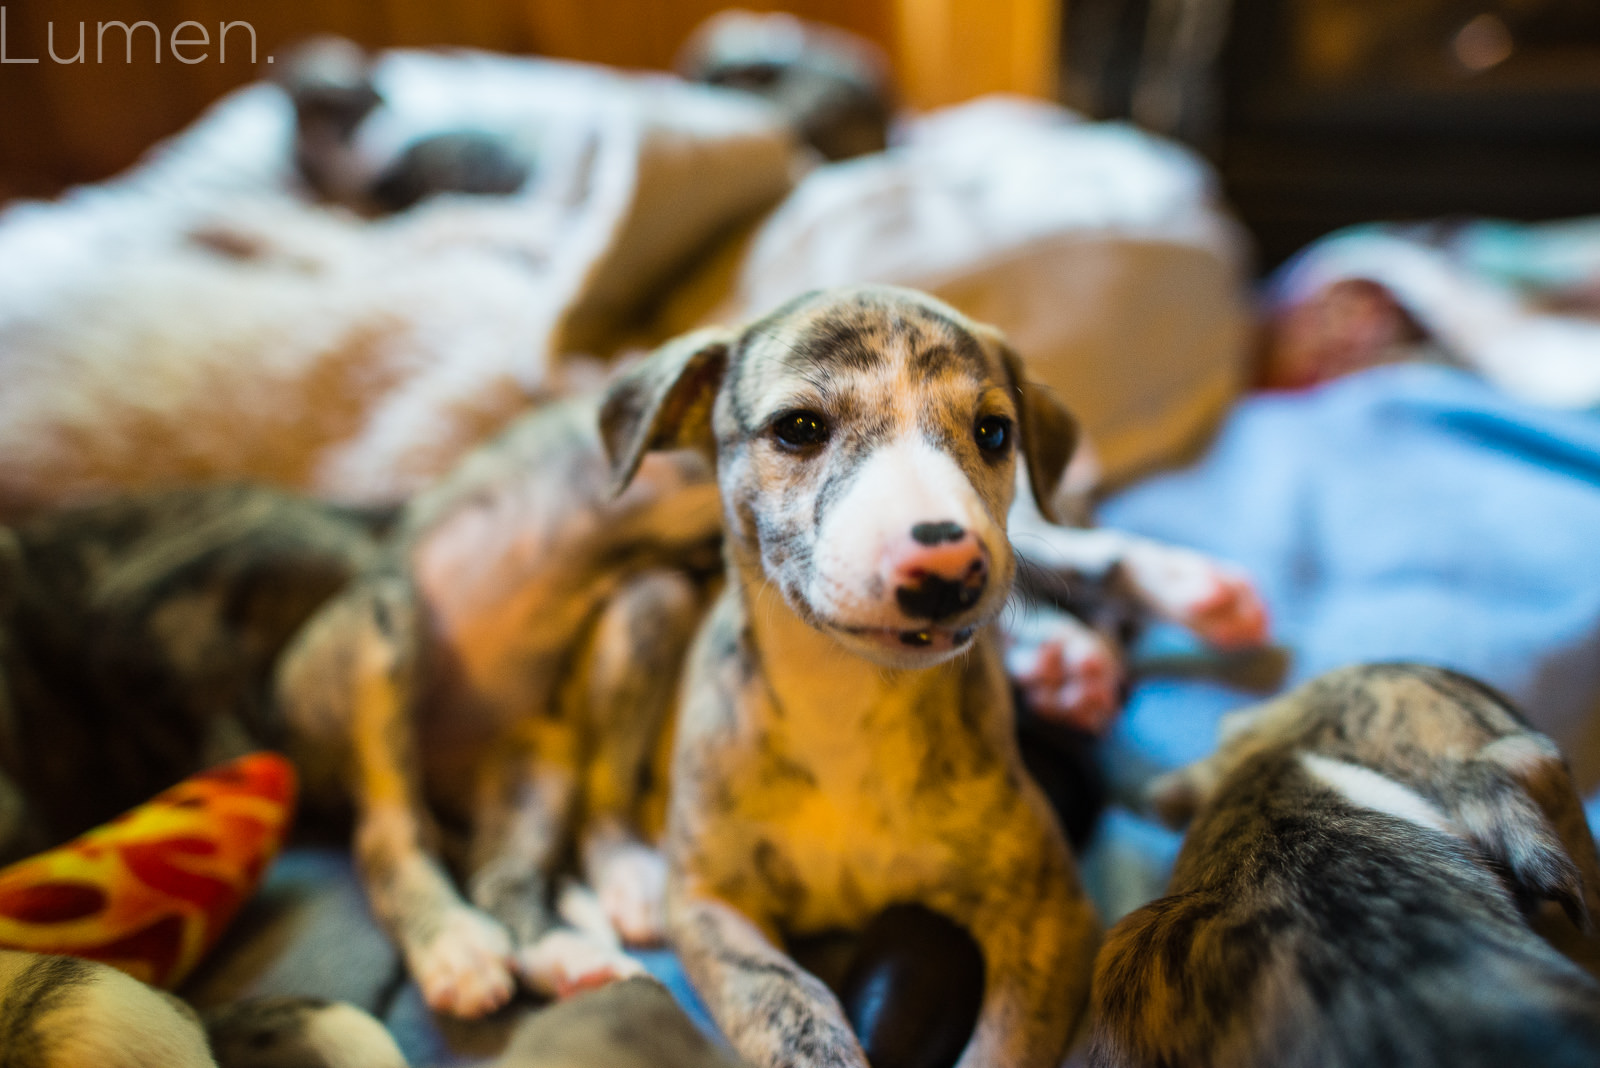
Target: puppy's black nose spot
<point>937,598</point>
<point>937,533</point>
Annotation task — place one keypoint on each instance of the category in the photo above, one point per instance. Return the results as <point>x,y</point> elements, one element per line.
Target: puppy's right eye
<point>800,429</point>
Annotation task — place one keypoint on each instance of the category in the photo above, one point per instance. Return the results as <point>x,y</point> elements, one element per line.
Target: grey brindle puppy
<point>500,655</point>
<point>845,739</point>
<point>1356,890</point>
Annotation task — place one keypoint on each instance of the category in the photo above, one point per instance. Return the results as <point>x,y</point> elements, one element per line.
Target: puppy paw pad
<point>564,963</point>
<point>632,886</point>
<point>1068,674</point>
<point>465,968</point>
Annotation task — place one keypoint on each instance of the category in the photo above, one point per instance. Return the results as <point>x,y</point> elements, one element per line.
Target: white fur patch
<point>345,1037</point>
<point>905,482</point>
<point>1378,793</point>
<point>1524,755</point>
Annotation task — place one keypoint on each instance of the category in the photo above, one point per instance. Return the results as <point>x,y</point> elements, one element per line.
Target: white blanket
<point>198,320</point>
<point>350,358</point>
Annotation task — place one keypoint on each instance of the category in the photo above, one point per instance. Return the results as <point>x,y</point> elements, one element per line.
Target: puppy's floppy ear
<point>1048,431</point>
<point>664,401</point>
<point>1519,806</point>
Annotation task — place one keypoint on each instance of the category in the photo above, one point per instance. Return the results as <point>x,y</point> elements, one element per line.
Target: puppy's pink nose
<point>941,571</point>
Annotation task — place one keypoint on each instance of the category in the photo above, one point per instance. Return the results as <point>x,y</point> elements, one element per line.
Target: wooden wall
<point>68,123</point>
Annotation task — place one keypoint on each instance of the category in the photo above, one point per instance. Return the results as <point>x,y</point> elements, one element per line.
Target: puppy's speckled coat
<point>845,741</point>
<point>1355,891</point>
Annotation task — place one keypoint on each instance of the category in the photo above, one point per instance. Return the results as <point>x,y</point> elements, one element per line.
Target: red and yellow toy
<point>151,891</point>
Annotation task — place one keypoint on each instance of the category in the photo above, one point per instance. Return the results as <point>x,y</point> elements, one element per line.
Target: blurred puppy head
<point>831,85</point>
<point>329,80</point>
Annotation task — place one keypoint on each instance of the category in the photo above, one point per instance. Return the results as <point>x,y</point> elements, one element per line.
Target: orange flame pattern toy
<point>151,891</point>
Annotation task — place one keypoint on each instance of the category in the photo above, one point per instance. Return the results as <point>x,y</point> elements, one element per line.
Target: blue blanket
<point>1409,512</point>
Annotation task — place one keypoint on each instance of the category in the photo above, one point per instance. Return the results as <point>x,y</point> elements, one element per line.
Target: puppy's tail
<point>287,1032</point>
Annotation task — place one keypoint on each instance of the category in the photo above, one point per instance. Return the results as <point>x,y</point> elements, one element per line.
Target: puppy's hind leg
<point>627,681</point>
<point>524,816</point>
<point>347,686</point>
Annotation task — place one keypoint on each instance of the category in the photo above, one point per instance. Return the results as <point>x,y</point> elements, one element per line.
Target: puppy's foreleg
<point>349,682</point>
<point>1039,934</point>
<point>522,819</point>
<point>526,808</point>
<point>1215,600</point>
<point>628,680</point>
<point>776,1014</point>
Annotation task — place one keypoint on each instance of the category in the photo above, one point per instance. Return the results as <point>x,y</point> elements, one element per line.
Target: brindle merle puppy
<point>1356,890</point>
<point>845,743</point>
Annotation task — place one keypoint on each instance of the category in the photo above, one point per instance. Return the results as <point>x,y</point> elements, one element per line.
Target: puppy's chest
<point>836,825</point>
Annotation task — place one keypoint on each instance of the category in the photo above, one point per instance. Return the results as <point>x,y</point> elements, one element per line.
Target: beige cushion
<point>1099,250</point>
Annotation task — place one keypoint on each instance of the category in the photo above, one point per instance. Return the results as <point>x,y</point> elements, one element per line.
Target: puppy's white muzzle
<point>904,558</point>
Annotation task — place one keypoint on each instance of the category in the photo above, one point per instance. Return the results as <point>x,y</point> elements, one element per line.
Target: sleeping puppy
<point>60,1012</point>
<point>330,82</point>
<point>1356,889</point>
<point>845,740</point>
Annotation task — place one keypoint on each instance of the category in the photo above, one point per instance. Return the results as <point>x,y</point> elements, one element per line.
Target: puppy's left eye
<point>993,433</point>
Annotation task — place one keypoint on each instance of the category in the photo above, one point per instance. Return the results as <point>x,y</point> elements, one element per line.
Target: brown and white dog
<point>845,741</point>
<point>1356,889</point>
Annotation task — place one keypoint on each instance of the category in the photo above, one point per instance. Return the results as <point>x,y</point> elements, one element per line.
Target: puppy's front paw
<point>565,962</point>
<point>1217,602</point>
<point>631,881</point>
<point>1067,672</point>
<point>464,969</point>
